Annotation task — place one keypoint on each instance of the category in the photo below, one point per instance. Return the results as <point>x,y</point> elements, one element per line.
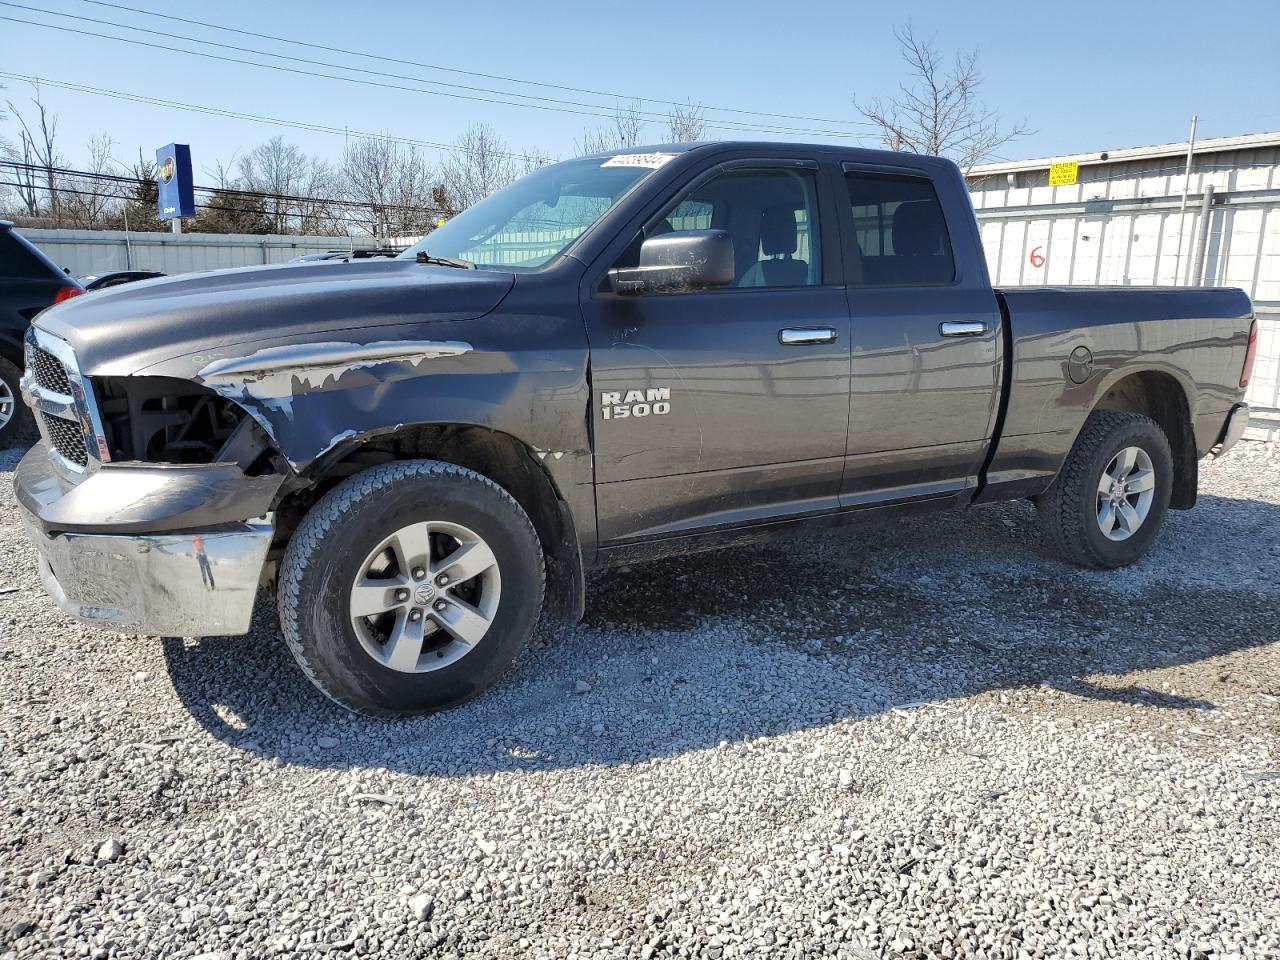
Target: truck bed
<point>1068,346</point>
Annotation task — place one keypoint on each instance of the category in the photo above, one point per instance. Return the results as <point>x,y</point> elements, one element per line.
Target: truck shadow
<point>683,654</point>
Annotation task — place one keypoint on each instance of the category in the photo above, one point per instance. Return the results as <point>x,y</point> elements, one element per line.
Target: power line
<point>285,56</point>
<point>258,211</point>
<point>570,107</point>
<point>238,115</point>
<point>229,191</point>
<point>304,60</point>
<point>455,70</point>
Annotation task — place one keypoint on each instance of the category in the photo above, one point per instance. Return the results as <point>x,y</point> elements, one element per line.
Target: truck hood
<point>123,330</point>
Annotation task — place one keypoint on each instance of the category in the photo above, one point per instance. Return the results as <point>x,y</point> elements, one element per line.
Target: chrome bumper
<point>149,549</point>
<point>189,584</point>
<point>1237,422</point>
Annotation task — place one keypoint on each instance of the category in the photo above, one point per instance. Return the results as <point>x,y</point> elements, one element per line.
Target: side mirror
<point>679,261</point>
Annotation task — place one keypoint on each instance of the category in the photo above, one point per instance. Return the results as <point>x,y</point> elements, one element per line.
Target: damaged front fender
<point>283,371</point>
<point>521,377</point>
<point>314,398</point>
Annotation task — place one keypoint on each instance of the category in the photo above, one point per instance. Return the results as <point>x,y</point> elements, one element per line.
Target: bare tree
<point>277,168</point>
<point>479,165</point>
<point>629,124</point>
<point>222,172</point>
<point>391,182</point>
<point>26,177</point>
<point>625,131</point>
<point>92,201</point>
<point>686,124</point>
<point>937,111</point>
<point>314,215</point>
<point>6,148</point>
<point>5,144</point>
<point>39,159</point>
<point>534,158</point>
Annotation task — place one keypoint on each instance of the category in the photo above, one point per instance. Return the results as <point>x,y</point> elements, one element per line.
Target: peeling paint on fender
<point>283,371</point>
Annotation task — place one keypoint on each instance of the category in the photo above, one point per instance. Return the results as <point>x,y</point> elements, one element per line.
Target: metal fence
<point>85,252</point>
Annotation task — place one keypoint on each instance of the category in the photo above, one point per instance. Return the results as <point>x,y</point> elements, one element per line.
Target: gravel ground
<point>920,739</point>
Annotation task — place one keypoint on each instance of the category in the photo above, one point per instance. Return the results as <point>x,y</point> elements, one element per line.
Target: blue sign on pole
<point>175,196</point>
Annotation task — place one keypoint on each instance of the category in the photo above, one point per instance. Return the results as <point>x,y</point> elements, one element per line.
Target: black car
<point>29,282</point>
<point>113,278</point>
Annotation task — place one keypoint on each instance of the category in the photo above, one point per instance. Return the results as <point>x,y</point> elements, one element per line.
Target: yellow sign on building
<point>1063,174</point>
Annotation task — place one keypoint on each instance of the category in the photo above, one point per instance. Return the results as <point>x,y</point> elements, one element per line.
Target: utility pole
<point>1182,207</point>
<point>1202,239</point>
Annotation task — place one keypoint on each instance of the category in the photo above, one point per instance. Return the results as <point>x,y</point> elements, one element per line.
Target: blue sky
<point>1086,75</point>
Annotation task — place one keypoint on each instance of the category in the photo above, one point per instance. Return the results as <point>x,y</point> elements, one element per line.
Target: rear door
<point>926,336</point>
<point>730,405</point>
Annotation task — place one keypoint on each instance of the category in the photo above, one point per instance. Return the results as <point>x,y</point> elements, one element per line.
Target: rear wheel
<point>410,587</point>
<point>17,425</point>
<point>1109,500</point>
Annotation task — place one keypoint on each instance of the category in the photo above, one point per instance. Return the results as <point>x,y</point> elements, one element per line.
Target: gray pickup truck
<point>619,357</point>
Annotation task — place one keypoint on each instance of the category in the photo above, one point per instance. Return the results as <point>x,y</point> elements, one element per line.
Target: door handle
<point>794,336</point>
<point>962,328</point>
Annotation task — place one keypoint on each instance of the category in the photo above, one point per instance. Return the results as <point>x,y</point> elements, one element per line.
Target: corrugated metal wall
<point>1121,225</point>
<point>84,252</point>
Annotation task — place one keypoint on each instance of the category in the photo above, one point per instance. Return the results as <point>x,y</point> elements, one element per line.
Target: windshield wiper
<point>424,257</point>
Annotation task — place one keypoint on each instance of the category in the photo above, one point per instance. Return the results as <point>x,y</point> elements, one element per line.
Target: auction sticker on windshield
<point>651,160</point>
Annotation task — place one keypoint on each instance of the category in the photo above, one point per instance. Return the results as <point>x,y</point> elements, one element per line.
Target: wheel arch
<point>503,458</point>
<point>11,350</point>
<point>1166,399</point>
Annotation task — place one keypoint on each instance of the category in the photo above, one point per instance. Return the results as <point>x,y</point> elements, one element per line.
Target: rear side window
<point>901,232</point>
<point>17,262</point>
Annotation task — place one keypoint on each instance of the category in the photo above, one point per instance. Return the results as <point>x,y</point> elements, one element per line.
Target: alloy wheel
<point>425,596</point>
<point>1126,491</point>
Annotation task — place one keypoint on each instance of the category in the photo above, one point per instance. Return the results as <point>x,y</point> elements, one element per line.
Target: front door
<point>728,405</point>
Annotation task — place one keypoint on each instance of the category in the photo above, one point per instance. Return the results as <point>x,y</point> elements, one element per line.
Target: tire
<point>19,427</point>
<point>1073,511</point>
<point>349,658</point>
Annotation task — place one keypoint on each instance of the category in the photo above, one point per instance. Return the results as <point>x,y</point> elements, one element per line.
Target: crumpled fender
<point>316,397</point>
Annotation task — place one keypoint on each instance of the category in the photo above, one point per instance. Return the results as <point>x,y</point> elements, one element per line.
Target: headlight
<point>166,420</point>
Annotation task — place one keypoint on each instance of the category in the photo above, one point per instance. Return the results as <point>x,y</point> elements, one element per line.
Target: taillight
<point>66,293</point>
<point>1250,354</point>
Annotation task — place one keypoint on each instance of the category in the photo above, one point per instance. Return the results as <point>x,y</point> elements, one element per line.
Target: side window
<point>900,229</point>
<point>771,216</point>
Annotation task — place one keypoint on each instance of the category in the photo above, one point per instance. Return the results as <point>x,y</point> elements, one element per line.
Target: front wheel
<point>1107,503</point>
<point>17,425</point>
<point>410,587</point>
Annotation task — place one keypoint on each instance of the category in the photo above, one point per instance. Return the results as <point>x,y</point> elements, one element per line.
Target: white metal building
<point>1124,222</point>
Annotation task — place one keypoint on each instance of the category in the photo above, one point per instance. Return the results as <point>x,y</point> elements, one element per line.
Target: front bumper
<point>194,582</point>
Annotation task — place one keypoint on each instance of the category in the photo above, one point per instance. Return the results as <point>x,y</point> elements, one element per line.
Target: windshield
<point>535,219</point>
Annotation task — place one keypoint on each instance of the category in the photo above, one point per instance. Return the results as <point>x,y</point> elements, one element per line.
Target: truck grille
<point>47,370</point>
<point>64,403</point>
<point>66,437</point>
